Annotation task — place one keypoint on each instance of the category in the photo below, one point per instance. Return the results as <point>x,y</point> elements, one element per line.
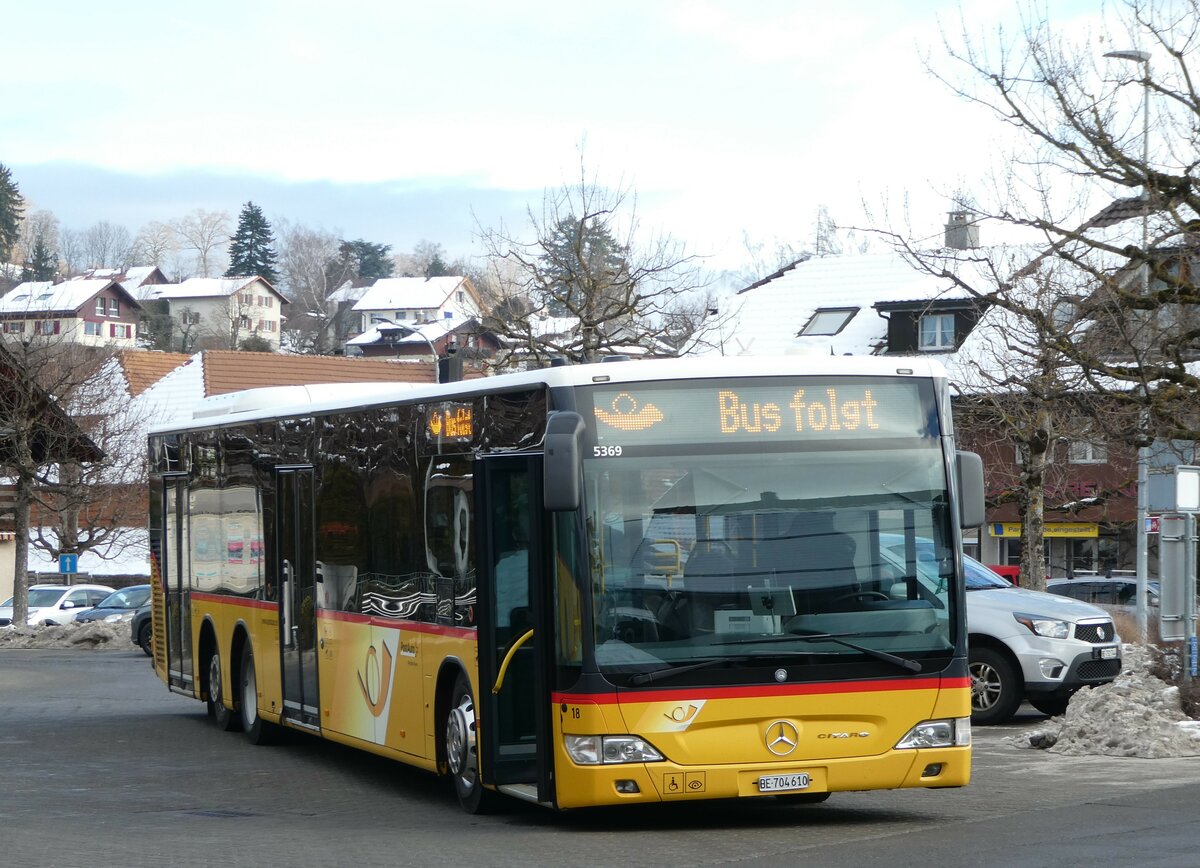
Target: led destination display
<point>800,410</point>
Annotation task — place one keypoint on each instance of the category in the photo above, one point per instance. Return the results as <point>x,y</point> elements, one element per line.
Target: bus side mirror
<point>562,466</point>
<point>970,489</point>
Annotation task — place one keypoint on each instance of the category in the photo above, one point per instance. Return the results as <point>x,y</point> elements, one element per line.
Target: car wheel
<point>217,709</point>
<point>995,687</point>
<point>462,750</point>
<point>145,635</point>
<point>1051,705</point>
<point>258,731</point>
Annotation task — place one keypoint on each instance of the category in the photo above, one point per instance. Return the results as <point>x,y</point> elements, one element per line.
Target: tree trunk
<point>21,567</point>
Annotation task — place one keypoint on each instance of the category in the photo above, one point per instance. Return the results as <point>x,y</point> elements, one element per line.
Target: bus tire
<point>996,687</point>
<point>462,750</point>
<point>217,709</point>
<point>258,731</point>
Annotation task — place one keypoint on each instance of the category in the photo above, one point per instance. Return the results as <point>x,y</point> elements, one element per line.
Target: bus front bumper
<point>586,786</point>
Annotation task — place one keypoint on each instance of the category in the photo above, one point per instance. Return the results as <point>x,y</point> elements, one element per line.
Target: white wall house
<point>418,300</point>
<point>221,312</point>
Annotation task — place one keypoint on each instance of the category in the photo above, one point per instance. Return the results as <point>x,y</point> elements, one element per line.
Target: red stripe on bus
<point>234,601</point>
<point>763,690</point>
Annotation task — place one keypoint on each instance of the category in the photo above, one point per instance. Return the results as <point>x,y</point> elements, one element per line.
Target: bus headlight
<point>953,732</point>
<point>592,750</point>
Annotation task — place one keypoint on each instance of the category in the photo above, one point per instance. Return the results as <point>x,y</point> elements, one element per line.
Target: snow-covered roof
<point>136,276</point>
<point>418,332</point>
<point>348,292</point>
<point>773,312</point>
<point>202,287</point>
<point>44,295</point>
<point>400,293</point>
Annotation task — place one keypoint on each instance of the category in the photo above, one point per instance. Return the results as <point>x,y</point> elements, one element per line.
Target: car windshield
<point>126,598</point>
<point>40,597</point>
<point>979,577</point>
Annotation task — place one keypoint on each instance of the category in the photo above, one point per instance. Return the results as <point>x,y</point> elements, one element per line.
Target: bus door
<point>176,579</point>
<point>297,594</point>
<point>515,625</point>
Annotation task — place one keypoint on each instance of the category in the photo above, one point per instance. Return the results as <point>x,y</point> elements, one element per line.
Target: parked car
<point>117,606</point>
<point>56,604</point>
<point>141,630</point>
<point>1113,592</point>
<point>1023,644</point>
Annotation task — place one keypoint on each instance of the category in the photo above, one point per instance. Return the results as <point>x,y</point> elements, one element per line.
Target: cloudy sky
<point>404,121</point>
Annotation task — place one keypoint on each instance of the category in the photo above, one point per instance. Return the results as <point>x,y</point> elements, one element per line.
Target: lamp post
<point>408,331</point>
<point>1143,457</point>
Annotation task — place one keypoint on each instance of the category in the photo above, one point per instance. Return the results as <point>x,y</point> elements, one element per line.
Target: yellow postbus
<point>638,581</point>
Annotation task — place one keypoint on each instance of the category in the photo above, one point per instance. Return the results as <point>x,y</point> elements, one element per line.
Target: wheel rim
<point>249,694</point>
<point>460,743</point>
<point>214,682</point>
<point>144,637</point>
<point>986,686</point>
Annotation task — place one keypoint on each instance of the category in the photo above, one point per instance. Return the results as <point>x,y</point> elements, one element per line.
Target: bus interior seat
<point>709,583</point>
<point>809,556</point>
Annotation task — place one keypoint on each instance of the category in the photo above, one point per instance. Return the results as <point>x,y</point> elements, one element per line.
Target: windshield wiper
<point>903,662</point>
<point>668,671</point>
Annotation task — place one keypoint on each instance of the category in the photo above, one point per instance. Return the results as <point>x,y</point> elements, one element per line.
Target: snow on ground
<point>92,634</point>
<point>1137,715</point>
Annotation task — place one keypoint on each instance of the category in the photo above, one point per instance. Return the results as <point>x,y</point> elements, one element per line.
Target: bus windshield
<point>732,556</point>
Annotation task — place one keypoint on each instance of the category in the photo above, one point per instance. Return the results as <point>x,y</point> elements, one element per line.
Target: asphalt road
<point>100,765</point>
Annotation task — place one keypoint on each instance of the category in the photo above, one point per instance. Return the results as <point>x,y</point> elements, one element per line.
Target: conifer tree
<point>12,205</point>
<point>252,248</point>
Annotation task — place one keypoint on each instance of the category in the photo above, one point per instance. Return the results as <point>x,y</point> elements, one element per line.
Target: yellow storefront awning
<point>1053,529</point>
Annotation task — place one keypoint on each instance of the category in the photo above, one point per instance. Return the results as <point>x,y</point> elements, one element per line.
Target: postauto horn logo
<point>628,414</point>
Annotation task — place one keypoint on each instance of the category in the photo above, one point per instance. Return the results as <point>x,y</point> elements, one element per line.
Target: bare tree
<point>107,245</point>
<point>592,281</point>
<point>156,244</point>
<point>1098,297</point>
<point>70,453</point>
<point>307,279</point>
<point>204,233</point>
<point>1126,261</point>
<point>71,250</point>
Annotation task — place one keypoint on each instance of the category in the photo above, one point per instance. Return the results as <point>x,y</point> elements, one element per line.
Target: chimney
<point>962,231</point>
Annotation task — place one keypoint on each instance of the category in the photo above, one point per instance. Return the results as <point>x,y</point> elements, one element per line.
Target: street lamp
<point>1143,458</point>
<point>392,330</point>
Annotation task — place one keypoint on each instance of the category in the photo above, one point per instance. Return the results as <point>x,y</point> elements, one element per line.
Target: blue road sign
<point>68,563</point>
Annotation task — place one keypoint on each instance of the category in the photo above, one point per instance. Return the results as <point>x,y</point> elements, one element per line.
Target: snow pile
<point>1137,715</point>
<point>90,634</point>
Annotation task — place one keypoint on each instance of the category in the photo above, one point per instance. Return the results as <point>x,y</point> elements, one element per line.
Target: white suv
<point>1023,644</point>
<point>1030,645</point>
<point>56,604</point>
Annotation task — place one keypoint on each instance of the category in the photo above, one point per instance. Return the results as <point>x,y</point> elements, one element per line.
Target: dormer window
<point>936,332</point>
<point>828,321</point>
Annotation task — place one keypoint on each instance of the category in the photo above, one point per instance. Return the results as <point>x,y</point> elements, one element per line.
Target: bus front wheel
<point>462,750</point>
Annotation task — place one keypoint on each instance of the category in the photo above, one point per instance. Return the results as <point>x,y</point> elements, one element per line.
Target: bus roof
<point>280,402</point>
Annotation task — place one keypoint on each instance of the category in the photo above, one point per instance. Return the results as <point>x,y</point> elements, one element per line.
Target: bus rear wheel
<point>217,709</point>
<point>462,750</point>
<point>258,731</point>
